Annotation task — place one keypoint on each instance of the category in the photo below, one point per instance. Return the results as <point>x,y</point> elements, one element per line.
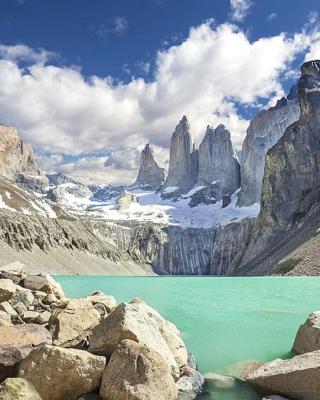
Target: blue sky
<point>86,81</point>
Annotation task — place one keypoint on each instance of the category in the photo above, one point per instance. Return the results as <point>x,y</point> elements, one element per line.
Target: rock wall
<point>218,160</point>
<point>291,183</point>
<point>264,132</point>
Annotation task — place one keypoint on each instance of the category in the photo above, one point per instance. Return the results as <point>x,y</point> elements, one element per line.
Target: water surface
<point>222,320</point>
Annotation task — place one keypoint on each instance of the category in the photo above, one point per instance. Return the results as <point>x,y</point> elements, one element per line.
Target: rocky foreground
<point>55,348</point>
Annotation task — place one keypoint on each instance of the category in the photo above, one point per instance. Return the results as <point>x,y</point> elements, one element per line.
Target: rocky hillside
<point>291,183</point>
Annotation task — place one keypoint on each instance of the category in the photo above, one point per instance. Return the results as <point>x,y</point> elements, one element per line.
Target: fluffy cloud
<point>208,77</point>
<point>240,9</point>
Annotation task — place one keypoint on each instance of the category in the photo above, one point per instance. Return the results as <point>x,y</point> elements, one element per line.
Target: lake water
<point>222,320</point>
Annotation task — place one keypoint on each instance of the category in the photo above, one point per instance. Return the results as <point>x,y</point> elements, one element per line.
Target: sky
<point>89,82</point>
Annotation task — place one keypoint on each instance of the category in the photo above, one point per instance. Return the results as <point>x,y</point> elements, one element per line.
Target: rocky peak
<point>16,158</point>
<point>264,131</point>
<point>180,165</point>
<point>218,161</point>
<point>291,182</point>
<point>150,175</point>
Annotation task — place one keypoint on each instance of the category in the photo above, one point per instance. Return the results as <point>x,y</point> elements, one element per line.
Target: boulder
<point>137,372</point>
<point>20,308</point>
<point>218,381</point>
<point>7,308</point>
<point>16,342</point>
<point>61,374</point>
<point>99,299</point>
<point>15,271</point>
<point>297,378</point>
<point>71,325</point>
<point>5,319</point>
<point>44,283</point>
<point>191,385</point>
<point>43,317</point>
<point>7,289</point>
<point>30,316</point>
<point>18,389</point>
<point>26,297</point>
<point>139,322</point>
<point>308,335</point>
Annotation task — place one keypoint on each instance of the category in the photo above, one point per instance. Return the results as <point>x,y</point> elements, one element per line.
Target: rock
<point>18,388</point>
<point>20,308</point>
<point>191,361</point>
<point>297,378</point>
<point>218,160</point>
<point>43,317</point>
<point>125,200</point>
<point>137,372</point>
<point>191,385</point>
<point>26,297</point>
<point>139,322</point>
<point>99,298</point>
<point>41,295</point>
<point>208,194</point>
<point>44,283</point>
<point>71,325</point>
<point>218,381</point>
<point>5,319</point>
<point>7,289</point>
<point>68,373</point>
<point>241,369</point>
<point>15,271</point>
<point>150,175</point>
<point>180,165</point>
<point>50,299</point>
<point>308,335</point>
<point>291,182</point>
<point>8,309</point>
<point>263,133</point>
<point>275,397</point>
<point>16,342</point>
<point>30,316</point>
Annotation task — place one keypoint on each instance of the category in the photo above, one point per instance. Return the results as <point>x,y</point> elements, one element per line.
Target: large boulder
<point>297,378</point>
<point>61,374</point>
<point>15,271</point>
<point>71,324</point>
<point>16,342</point>
<point>18,389</point>
<point>44,283</point>
<point>7,289</point>
<point>191,385</point>
<point>139,322</point>
<point>308,335</point>
<point>102,302</point>
<point>137,372</point>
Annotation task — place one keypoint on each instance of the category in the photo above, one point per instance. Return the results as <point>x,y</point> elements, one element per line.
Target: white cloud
<point>213,71</point>
<point>21,52</point>
<point>117,25</point>
<point>272,17</point>
<point>240,9</point>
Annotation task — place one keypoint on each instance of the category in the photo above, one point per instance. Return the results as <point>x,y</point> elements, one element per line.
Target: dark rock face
<point>218,160</point>
<point>182,164</point>
<point>264,132</point>
<point>58,178</point>
<point>150,175</point>
<point>291,183</point>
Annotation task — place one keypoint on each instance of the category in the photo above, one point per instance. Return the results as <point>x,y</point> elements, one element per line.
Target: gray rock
<point>308,335</point>
<point>15,271</point>
<point>264,131</point>
<point>26,297</point>
<point>7,289</point>
<point>191,385</point>
<point>218,160</point>
<point>125,200</point>
<point>150,175</point>
<point>297,378</point>
<point>208,194</point>
<point>180,164</point>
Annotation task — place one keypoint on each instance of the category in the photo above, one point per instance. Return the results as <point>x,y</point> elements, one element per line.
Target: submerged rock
<point>297,378</point>
<point>308,335</point>
<point>150,175</point>
<point>60,374</point>
<point>137,372</point>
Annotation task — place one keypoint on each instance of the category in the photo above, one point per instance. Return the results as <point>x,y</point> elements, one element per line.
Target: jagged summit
<point>150,175</point>
<point>264,131</point>
<point>181,163</point>
<point>218,161</point>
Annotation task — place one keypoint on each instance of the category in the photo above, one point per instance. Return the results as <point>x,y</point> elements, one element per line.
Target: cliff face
<point>264,132</point>
<point>291,183</point>
<point>218,161</point>
<point>17,160</point>
<point>181,164</point>
<point>150,175</point>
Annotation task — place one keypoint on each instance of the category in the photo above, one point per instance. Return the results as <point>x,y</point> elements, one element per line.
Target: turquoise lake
<point>222,320</point>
